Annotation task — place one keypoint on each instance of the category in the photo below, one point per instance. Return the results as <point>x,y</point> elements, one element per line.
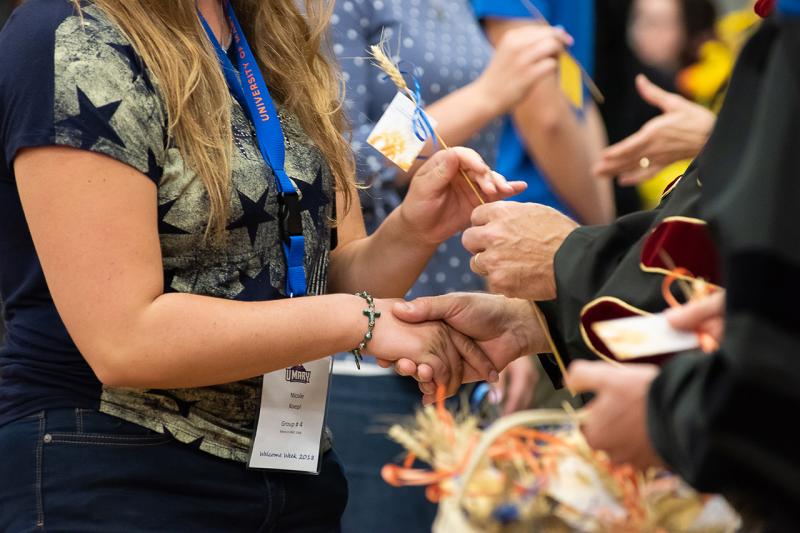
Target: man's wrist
<point>536,339</point>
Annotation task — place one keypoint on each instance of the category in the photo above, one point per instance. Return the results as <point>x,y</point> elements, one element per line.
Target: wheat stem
<point>383,62</point>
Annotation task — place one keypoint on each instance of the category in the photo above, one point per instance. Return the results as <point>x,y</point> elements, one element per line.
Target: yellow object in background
<point>571,80</point>
<point>651,190</point>
<point>704,80</point>
<point>735,28</point>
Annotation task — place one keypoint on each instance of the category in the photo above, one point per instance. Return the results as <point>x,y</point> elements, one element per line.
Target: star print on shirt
<point>154,170</point>
<point>253,215</point>
<point>169,275</point>
<point>134,63</point>
<point>126,51</point>
<point>312,197</point>
<point>184,406</point>
<point>165,228</point>
<point>257,289</point>
<point>195,444</point>
<point>92,122</point>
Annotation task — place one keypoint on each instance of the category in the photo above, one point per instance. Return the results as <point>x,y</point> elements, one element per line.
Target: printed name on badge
<point>291,418</point>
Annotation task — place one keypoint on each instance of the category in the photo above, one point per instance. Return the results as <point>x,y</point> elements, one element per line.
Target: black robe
<point>726,422</point>
<point>722,421</point>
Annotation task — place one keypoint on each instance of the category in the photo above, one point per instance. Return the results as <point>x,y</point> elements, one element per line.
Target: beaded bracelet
<point>372,315</point>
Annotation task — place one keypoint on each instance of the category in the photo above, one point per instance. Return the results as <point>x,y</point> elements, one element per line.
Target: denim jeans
<point>80,470</point>
<point>360,411</point>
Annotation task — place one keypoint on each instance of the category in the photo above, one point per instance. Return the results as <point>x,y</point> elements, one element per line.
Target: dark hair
<point>699,18</point>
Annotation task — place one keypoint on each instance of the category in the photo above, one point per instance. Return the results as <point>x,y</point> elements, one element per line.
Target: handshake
<point>453,339</point>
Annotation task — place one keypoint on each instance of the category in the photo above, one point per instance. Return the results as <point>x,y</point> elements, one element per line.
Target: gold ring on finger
<point>644,162</point>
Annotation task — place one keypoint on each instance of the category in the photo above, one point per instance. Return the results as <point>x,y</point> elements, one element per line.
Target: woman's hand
<point>679,133</point>
<point>523,57</point>
<point>440,201</point>
<point>503,329</point>
<point>450,356</point>
<point>517,243</point>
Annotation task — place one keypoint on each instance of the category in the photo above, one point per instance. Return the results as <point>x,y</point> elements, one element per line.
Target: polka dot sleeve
<point>353,25</point>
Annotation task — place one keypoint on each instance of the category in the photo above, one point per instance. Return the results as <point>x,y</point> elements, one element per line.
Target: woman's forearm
<point>185,340</point>
<point>387,263</point>
<point>463,113</point>
<point>565,149</point>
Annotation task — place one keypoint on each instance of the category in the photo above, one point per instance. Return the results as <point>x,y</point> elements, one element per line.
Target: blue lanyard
<point>250,90</point>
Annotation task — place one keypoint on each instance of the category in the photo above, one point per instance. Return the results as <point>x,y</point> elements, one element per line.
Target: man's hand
<point>617,417</point>
<point>502,328</point>
<point>706,315</point>
<point>679,133</point>
<point>448,356</point>
<point>514,246</point>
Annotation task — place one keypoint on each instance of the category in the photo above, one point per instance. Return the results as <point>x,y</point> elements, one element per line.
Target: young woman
<point>158,213</point>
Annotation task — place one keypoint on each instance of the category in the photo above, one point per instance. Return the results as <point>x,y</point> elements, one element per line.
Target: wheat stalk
<point>389,67</point>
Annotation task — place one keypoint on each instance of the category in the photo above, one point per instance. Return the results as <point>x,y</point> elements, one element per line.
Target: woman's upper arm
<point>93,220</point>
<point>350,222</point>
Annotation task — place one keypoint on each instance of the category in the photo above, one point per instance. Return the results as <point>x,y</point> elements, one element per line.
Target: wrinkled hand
<point>517,385</point>
<point>448,354</point>
<point>677,134</point>
<point>502,328</point>
<point>617,416</point>
<point>523,57</point>
<point>706,315</point>
<point>439,201</point>
<point>517,244</point>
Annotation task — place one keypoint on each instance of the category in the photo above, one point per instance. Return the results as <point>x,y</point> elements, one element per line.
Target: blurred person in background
<point>682,47</point>
<point>657,38</point>
<point>467,87</point>
<point>545,142</point>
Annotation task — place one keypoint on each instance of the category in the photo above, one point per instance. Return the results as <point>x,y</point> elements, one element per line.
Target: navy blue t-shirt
<point>78,83</point>
<point>36,337</point>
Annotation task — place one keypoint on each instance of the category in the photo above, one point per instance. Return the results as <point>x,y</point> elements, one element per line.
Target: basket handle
<point>532,417</point>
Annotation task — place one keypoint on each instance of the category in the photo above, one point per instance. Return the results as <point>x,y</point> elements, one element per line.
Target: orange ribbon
<point>538,450</point>
<point>699,289</point>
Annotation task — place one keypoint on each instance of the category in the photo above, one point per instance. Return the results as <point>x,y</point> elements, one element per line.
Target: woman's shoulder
<point>39,21</point>
<point>70,77</point>
<point>43,33</point>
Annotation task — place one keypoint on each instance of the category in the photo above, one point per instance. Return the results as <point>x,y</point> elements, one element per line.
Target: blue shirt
<point>577,17</point>
<point>789,7</point>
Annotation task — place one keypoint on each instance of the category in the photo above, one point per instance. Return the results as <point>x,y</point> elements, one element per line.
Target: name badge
<point>291,418</point>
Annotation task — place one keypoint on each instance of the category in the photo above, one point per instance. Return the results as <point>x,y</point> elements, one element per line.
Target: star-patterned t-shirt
<point>78,82</point>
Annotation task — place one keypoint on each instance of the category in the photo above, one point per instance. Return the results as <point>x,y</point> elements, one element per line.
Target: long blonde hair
<point>288,45</point>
